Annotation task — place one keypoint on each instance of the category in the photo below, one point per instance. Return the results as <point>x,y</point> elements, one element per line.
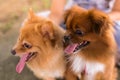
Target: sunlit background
<point>12,14</point>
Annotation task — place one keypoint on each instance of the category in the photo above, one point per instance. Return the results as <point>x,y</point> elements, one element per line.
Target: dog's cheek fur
<point>99,20</point>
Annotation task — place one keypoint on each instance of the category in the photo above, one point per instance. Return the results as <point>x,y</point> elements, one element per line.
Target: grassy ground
<point>12,13</point>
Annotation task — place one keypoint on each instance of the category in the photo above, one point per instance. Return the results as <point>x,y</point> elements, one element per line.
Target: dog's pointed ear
<point>69,14</point>
<point>99,20</point>
<point>66,15</point>
<point>31,14</point>
<point>47,30</point>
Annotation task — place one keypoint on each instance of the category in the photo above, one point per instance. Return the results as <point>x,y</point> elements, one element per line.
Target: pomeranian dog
<point>90,44</point>
<point>40,46</point>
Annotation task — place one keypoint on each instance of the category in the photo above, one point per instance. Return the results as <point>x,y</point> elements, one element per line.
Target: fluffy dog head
<point>39,40</point>
<point>87,29</point>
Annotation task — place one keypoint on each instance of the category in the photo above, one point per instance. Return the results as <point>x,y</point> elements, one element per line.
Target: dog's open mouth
<point>73,48</point>
<point>25,58</point>
<point>30,55</point>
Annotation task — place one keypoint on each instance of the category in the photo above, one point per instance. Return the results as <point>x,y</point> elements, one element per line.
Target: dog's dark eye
<point>78,32</point>
<point>28,46</point>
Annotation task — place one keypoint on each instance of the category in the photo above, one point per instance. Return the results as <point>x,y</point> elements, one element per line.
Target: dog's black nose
<point>67,38</point>
<point>13,52</point>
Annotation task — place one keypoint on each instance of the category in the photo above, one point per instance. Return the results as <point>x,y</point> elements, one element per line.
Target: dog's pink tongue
<point>21,63</point>
<point>70,48</point>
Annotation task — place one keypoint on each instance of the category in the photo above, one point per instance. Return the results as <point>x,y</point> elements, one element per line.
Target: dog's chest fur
<point>42,73</point>
<point>50,69</point>
<point>80,65</point>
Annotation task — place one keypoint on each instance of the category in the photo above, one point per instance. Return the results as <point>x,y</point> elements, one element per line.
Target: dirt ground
<point>12,13</point>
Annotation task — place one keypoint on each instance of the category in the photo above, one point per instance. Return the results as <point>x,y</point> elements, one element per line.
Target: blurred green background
<point>12,14</point>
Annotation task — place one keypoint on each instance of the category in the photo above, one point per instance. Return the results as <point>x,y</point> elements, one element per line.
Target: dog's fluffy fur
<point>90,34</point>
<point>43,38</point>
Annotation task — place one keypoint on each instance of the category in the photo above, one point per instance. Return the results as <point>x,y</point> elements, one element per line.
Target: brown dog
<point>40,46</point>
<point>91,44</point>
